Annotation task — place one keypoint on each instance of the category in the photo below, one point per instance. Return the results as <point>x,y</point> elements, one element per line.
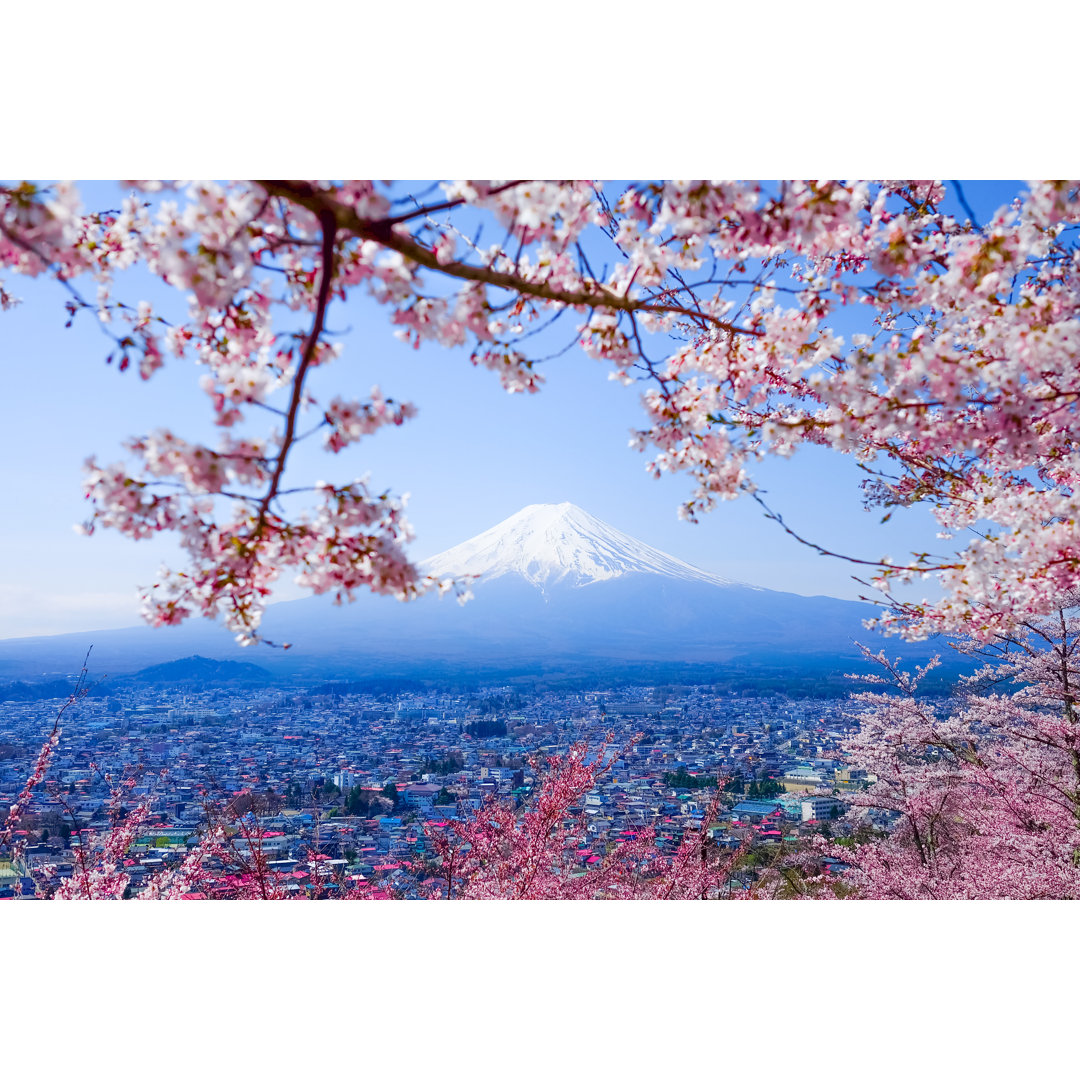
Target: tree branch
<point>382,232</point>
<point>329,238</point>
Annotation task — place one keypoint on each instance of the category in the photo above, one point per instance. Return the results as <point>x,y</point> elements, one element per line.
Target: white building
<point>822,809</point>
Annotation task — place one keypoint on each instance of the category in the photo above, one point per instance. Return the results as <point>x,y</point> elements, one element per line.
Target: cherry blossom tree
<point>982,793</point>
<point>723,299</point>
<point>542,851</point>
<point>41,765</point>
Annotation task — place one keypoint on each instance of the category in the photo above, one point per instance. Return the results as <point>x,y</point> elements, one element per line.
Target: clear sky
<point>473,456</point>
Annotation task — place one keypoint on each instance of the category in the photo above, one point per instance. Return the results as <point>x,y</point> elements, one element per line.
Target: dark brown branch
<point>382,232</point>
<point>772,515</point>
<point>329,238</point>
<point>450,204</point>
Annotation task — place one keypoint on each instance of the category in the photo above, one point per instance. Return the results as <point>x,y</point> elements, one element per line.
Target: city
<point>341,785</point>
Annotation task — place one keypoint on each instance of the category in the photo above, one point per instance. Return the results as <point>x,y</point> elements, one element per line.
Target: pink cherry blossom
<point>957,391</point>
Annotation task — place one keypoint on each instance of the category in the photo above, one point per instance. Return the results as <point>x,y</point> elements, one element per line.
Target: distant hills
<point>38,691</point>
<point>192,671</point>
<point>199,669</point>
<point>560,596</point>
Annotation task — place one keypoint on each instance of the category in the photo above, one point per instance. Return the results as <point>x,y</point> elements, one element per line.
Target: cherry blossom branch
<point>382,232</point>
<point>435,208</point>
<point>772,515</point>
<point>329,238</point>
<point>964,203</point>
<point>45,754</point>
<point>965,376</point>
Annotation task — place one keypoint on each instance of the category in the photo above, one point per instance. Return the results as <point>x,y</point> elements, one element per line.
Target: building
<point>756,811</point>
<point>822,809</point>
<point>802,778</point>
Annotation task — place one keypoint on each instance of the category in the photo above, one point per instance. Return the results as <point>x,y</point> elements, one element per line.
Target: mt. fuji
<point>557,590</point>
<point>550,544</point>
<point>557,594</point>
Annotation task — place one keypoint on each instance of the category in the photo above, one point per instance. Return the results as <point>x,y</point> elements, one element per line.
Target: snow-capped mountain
<point>558,594</point>
<point>552,543</point>
<point>557,589</point>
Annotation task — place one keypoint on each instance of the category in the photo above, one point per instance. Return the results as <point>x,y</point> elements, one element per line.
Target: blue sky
<point>473,456</point>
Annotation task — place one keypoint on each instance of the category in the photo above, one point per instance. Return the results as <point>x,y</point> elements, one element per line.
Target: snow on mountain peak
<point>548,543</point>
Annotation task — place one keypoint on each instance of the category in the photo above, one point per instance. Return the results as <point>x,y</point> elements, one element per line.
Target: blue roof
<point>756,808</point>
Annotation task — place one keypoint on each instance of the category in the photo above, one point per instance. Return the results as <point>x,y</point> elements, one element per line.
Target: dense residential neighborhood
<point>337,784</point>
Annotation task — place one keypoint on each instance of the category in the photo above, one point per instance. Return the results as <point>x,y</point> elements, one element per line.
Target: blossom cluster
<point>960,390</point>
<point>540,851</point>
<point>982,792</point>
